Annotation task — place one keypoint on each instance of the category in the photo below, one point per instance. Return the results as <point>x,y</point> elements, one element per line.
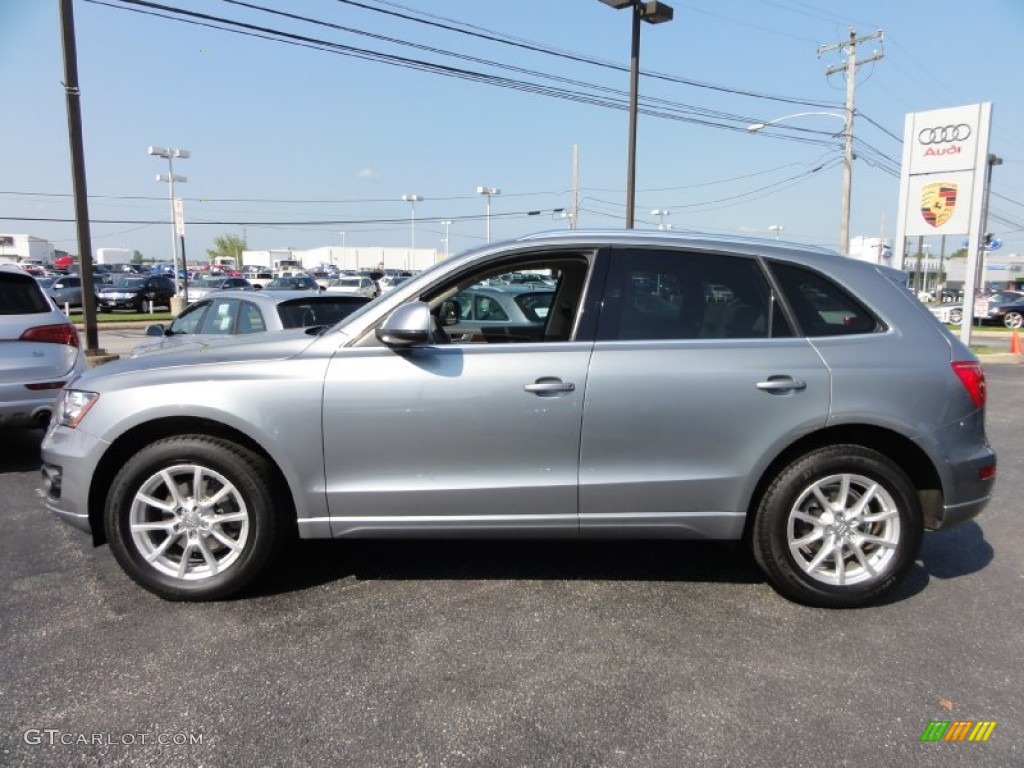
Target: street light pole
<point>489,192</point>
<point>170,177</point>
<point>342,249</point>
<point>413,199</point>
<point>447,242</point>
<point>652,12</point>
<point>776,228</point>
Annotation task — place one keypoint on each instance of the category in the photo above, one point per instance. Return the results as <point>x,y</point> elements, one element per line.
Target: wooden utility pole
<point>74,108</point>
<point>850,68</point>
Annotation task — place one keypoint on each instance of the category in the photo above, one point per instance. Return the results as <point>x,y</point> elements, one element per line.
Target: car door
<point>461,437</point>
<point>696,383</point>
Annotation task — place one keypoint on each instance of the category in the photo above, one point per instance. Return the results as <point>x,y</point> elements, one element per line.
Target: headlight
<point>74,404</point>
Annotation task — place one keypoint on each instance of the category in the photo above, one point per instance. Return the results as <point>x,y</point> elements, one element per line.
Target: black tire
<point>221,556</point>
<point>1013,320</point>
<point>794,535</point>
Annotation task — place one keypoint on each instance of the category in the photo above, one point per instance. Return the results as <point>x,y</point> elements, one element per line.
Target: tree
<point>228,245</point>
<point>137,257</point>
<point>958,254</point>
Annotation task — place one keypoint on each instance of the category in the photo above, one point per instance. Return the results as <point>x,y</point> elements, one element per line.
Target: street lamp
<point>652,12</point>
<point>342,249</point>
<point>661,213</point>
<point>489,192</point>
<point>413,199</point>
<point>844,216</point>
<point>447,240</point>
<point>776,228</point>
<point>170,177</point>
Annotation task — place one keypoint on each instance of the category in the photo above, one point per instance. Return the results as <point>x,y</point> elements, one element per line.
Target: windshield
<point>317,310</point>
<point>129,283</point>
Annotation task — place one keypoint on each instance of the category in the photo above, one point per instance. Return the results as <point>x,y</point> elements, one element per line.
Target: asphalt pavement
<point>510,653</point>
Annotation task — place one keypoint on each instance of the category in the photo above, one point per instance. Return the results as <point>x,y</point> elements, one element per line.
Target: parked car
<point>354,286</point>
<point>296,282</point>
<point>954,313</point>
<point>66,289</point>
<point>389,281</point>
<point>1007,310</point>
<point>208,284</point>
<point>228,314</point>
<point>39,351</point>
<point>258,277</point>
<point>819,416</point>
<point>137,292</point>
<point>488,313</point>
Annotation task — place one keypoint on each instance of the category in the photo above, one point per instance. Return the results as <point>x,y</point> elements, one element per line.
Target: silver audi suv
<point>675,387</point>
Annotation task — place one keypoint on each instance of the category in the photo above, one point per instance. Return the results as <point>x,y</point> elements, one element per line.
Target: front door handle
<point>549,385</point>
<point>781,384</point>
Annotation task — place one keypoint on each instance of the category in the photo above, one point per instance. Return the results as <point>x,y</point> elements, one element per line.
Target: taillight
<point>61,333</point>
<point>973,378</point>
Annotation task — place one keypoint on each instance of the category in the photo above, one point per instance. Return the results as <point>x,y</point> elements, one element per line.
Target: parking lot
<point>510,653</point>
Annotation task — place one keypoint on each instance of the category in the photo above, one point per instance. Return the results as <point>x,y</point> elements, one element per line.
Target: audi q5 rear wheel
<point>838,528</point>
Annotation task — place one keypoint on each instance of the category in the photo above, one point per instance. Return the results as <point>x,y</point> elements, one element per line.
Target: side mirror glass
<point>155,330</point>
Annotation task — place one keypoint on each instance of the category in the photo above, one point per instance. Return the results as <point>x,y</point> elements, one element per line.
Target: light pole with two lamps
<point>413,199</point>
<point>489,192</point>
<point>776,228</point>
<point>653,13</point>
<point>844,215</point>
<point>661,213</point>
<point>170,177</point>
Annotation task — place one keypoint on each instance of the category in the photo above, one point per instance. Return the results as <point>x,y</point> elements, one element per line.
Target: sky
<point>313,139</point>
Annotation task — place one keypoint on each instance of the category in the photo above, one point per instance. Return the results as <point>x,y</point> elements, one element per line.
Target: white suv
<point>39,351</point>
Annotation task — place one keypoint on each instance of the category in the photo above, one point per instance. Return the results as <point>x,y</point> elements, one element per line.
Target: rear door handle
<point>549,385</point>
<point>781,384</point>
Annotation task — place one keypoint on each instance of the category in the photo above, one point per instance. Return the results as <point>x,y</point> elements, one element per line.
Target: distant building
<point>872,249</point>
<point>20,249</point>
<point>352,257</point>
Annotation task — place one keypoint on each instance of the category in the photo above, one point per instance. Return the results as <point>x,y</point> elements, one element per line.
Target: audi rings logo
<point>945,134</point>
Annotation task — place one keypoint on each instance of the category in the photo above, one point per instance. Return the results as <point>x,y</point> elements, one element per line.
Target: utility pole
<point>850,68</point>
<point>74,107</point>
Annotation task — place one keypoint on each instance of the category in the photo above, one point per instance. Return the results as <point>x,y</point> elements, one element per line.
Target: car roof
<point>269,296</point>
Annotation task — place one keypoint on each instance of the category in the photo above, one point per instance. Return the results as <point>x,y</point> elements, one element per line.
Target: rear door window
<point>673,294</point>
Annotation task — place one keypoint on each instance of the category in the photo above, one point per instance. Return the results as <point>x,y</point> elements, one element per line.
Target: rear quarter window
<point>821,306</point>
<point>21,296</point>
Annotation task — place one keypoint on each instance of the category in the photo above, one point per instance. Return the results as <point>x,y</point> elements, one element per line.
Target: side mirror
<point>408,326</point>
<point>155,330</point>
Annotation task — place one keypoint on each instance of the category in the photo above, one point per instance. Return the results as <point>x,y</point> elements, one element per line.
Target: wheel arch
<point>910,457</point>
<point>142,435</point>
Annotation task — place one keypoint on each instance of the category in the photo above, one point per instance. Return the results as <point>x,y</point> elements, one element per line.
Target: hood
<point>272,345</point>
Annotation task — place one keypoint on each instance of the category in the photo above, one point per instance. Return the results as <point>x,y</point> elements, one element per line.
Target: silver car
<point>39,351</point>
<point>820,414</point>
<point>229,314</point>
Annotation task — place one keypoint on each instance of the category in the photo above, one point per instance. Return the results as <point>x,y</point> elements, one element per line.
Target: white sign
<point>179,217</point>
<point>939,203</point>
<point>944,139</point>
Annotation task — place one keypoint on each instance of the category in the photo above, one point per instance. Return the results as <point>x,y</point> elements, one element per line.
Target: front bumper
<point>70,457</point>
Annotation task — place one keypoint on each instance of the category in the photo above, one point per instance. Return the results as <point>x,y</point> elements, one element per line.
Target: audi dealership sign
<point>942,184</point>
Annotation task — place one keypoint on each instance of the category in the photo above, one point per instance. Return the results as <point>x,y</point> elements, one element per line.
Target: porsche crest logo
<point>938,202</point>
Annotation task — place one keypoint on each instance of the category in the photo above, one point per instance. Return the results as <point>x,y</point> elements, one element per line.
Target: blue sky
<point>285,134</point>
